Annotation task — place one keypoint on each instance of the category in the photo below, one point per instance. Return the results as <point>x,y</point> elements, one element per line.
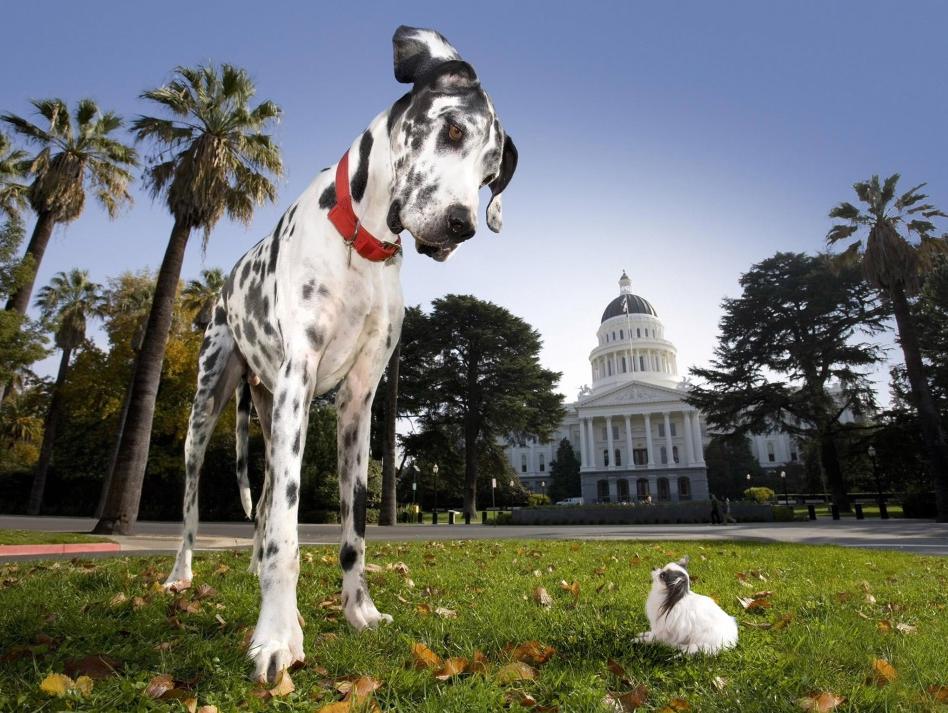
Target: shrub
<point>504,518</point>
<point>783,514</point>
<point>538,499</point>
<point>759,495</point>
<point>919,505</point>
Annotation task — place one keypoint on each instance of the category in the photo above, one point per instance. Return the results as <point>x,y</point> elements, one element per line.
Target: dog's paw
<point>275,647</point>
<point>364,615</point>
<point>645,638</point>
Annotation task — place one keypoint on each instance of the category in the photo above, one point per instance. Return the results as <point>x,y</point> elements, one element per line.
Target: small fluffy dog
<point>680,618</point>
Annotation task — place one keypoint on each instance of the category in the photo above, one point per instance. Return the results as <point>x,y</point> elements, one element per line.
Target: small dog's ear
<point>508,164</point>
<point>683,562</point>
<point>417,51</point>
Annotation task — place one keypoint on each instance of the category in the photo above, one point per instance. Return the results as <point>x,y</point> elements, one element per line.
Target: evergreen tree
<point>564,473</point>
<point>792,331</point>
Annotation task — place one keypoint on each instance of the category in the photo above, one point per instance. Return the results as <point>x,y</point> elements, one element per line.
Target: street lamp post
<point>883,510</point>
<point>493,493</point>
<point>434,469</point>
<point>414,486</point>
<point>786,498</point>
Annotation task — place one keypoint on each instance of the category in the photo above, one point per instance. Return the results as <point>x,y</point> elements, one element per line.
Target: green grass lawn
<point>836,611</point>
<point>28,537</point>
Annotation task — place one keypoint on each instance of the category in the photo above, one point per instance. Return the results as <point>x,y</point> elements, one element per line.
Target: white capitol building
<point>632,430</point>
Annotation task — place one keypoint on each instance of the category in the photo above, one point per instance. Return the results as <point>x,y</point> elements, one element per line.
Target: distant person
<point>727,511</point>
<point>715,511</point>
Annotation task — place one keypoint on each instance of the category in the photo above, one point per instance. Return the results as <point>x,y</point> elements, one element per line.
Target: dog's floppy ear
<point>418,51</point>
<point>508,164</point>
<point>683,562</point>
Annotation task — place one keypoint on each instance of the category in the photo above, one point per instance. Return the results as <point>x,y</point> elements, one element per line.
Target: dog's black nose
<point>460,224</point>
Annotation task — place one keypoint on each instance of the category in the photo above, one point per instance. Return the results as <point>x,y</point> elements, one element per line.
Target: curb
<point>62,549</point>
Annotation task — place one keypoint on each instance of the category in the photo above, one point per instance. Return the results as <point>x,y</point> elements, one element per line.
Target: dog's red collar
<point>347,223</point>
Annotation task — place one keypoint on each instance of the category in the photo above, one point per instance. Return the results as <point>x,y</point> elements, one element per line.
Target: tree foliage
<point>565,480</point>
<point>794,330</point>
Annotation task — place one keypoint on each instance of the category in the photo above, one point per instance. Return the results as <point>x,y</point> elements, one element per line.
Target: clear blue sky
<point>680,141</point>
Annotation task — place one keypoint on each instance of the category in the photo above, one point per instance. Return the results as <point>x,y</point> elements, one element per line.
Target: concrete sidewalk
<point>921,536</point>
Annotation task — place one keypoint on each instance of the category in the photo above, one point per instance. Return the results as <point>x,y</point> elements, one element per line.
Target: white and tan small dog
<point>689,622</point>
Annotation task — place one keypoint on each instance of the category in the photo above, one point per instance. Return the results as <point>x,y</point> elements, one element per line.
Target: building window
<point>675,453</point>
<point>641,363</point>
<point>674,430</point>
<point>661,429</point>
<point>621,334</point>
<point>523,463</point>
<point>793,453</point>
<point>605,458</point>
<point>641,488</point>
<point>602,491</point>
<point>542,463</point>
<point>615,432</point>
<point>664,492</point>
<point>771,455</point>
<point>638,332</point>
<point>618,457</point>
<point>622,491</point>
<point>605,433</point>
<point>609,366</point>
<point>624,370</point>
<point>684,489</point>
<point>664,456</point>
<point>640,456</point>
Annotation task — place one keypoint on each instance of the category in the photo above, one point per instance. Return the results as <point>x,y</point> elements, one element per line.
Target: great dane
<point>318,305</point>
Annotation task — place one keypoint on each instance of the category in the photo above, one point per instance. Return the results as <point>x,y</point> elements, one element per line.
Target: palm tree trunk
<point>387,512</point>
<point>49,438</point>
<point>42,232</point>
<point>107,484</point>
<point>932,433</point>
<point>121,510</point>
<point>470,467</point>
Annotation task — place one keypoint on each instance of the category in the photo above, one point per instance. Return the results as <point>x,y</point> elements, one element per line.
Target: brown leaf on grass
<point>939,693</point>
<point>513,672</point>
<point>423,609</point>
<point>284,685</point>
<point>359,687</point>
<point>138,603</point>
<point>373,568</point>
<point>159,685</point>
<point>782,622</point>
<point>179,586</point>
<point>399,567</point>
<point>478,663</point>
<point>423,657</point>
<point>207,709</point>
<point>719,683</point>
<point>883,673</point>
<point>675,705</point>
<point>625,702</point>
<point>754,604</point>
<point>573,588</point>
<point>607,586</point>
<point>885,626</point>
<point>221,569</point>
<point>542,597</point>
<point>820,702</point>
<point>531,652</point>
<point>904,628</point>
<point>446,613</point>
<point>97,666</point>
<point>190,606</point>
<point>454,666</point>
<point>205,591</point>
<point>190,704</point>
<point>118,600</point>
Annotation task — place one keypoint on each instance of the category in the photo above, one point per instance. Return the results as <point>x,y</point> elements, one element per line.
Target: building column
<point>689,438</point>
<point>669,447</point>
<point>591,438</point>
<point>699,441</point>
<point>630,457</point>
<point>609,444</point>
<point>648,440</point>
<point>583,457</point>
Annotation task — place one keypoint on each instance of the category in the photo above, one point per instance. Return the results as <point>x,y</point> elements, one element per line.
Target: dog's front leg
<point>278,637</point>
<point>353,408</point>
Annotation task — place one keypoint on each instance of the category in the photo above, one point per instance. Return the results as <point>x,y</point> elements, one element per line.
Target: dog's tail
<point>243,438</point>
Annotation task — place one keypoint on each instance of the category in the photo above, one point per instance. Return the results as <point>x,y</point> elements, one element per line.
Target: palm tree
<point>895,263</point>
<point>211,158</point>
<point>12,169</point>
<point>200,296</point>
<point>70,161</point>
<point>65,305</point>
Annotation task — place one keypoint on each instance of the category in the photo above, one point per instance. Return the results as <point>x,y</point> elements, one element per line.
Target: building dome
<point>635,305</point>
<point>626,302</point>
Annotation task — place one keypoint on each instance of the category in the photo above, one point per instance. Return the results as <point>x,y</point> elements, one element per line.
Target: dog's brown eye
<point>455,133</point>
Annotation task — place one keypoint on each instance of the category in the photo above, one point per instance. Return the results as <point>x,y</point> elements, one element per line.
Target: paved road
<point>922,536</point>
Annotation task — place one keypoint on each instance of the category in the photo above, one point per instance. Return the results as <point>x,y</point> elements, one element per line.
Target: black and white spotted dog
<point>318,304</point>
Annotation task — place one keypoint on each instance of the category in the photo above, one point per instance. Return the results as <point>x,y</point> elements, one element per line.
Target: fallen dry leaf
<point>905,628</point>
<point>478,663</point>
<point>84,686</point>
<point>625,702</point>
<point>284,685</point>
<point>513,672</point>
<point>56,684</point>
<point>883,673</point>
<point>939,693</point>
<point>820,702</point>
<point>719,683</point>
<point>118,599</point>
<point>373,568</point>
<point>423,609</point>
<point>885,626</point>
<point>532,652</point>
<point>95,666</point>
<point>571,588</point>
<point>542,597</point>
<point>159,685</point>
<point>423,657</point>
<point>446,613</point>
<point>207,709</point>
<point>454,666</point>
